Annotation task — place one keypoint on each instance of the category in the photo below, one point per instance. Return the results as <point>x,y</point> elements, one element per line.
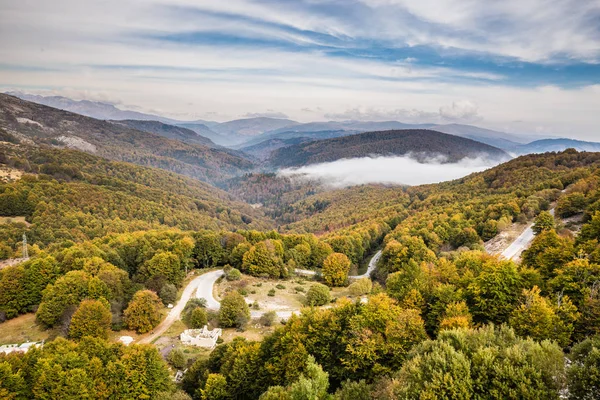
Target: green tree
<point>92,318</point>
<point>164,263</point>
<point>495,291</point>
<point>143,312</point>
<point>318,295</point>
<point>335,269</point>
<point>177,359</point>
<point>584,373</point>
<point>234,311</point>
<point>67,291</point>
<point>168,294</point>
<point>543,222</point>
<point>265,259</point>
<point>198,318</point>
<point>350,390</point>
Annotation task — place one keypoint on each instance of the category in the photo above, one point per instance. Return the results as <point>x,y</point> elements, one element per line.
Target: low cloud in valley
<point>404,170</point>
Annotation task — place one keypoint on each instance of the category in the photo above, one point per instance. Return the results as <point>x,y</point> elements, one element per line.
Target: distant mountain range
<point>167,147</point>
<point>420,143</point>
<point>556,145</point>
<point>260,136</point>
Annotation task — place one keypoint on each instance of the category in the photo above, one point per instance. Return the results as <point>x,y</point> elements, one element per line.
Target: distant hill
<point>252,126</point>
<point>556,145</point>
<point>168,131</point>
<point>220,139</point>
<point>502,140</point>
<point>420,142</point>
<point>263,150</point>
<point>38,124</point>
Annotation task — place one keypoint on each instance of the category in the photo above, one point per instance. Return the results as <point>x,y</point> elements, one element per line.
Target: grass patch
<point>24,329</point>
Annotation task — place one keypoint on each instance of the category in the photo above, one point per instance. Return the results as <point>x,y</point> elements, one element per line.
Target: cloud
<point>460,110</point>
<point>268,114</point>
<point>371,114</point>
<point>403,170</point>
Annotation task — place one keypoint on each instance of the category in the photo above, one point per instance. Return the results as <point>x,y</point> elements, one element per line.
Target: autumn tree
<point>143,312</point>
<point>335,269</point>
<point>92,318</point>
<point>538,318</point>
<point>265,259</point>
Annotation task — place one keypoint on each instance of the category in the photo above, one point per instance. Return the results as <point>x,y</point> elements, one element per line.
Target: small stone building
<point>201,337</point>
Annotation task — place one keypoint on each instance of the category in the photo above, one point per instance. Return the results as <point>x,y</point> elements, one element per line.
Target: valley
<point>130,235</point>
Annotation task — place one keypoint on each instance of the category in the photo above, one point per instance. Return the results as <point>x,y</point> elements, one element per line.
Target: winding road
<point>203,286</point>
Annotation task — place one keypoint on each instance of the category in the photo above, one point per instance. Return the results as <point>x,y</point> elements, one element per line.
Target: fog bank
<point>402,170</point>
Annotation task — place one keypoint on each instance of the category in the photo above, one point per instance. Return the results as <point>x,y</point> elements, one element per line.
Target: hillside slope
<point>38,124</point>
<point>421,143</point>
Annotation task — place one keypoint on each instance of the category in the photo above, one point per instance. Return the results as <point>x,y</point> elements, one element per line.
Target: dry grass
<point>9,174</point>
<point>8,220</point>
<point>23,329</point>
<point>285,299</point>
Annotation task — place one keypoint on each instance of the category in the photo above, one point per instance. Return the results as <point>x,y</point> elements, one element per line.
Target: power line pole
<point>25,252</point>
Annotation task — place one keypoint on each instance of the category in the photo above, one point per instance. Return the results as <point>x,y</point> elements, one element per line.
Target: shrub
<point>268,318</point>
<point>168,294</point>
<point>299,289</point>
<point>318,295</point>
<point>177,359</point>
<point>243,292</point>
<point>280,286</point>
<point>271,293</point>
<point>361,287</point>
<point>234,274</point>
<point>255,305</point>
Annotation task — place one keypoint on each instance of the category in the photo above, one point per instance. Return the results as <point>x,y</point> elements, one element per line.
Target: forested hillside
<point>422,144</point>
<point>71,195</point>
<point>38,124</point>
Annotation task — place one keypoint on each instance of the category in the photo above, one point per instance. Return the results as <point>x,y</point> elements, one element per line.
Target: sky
<point>524,66</point>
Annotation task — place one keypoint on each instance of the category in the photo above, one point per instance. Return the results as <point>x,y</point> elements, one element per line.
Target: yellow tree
<point>335,269</point>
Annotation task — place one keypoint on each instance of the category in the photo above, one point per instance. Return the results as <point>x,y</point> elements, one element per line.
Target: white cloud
<point>387,170</point>
<point>460,110</point>
<point>268,114</point>
<point>372,114</point>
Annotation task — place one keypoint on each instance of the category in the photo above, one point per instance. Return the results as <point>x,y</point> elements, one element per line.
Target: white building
<point>201,337</point>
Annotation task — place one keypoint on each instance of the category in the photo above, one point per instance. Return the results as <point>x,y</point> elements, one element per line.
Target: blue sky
<point>517,65</point>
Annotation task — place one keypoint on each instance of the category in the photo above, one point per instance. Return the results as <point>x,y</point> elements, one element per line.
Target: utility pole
<point>25,252</point>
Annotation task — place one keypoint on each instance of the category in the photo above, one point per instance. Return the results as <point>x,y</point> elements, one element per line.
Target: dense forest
<point>419,142</point>
<point>111,244</point>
